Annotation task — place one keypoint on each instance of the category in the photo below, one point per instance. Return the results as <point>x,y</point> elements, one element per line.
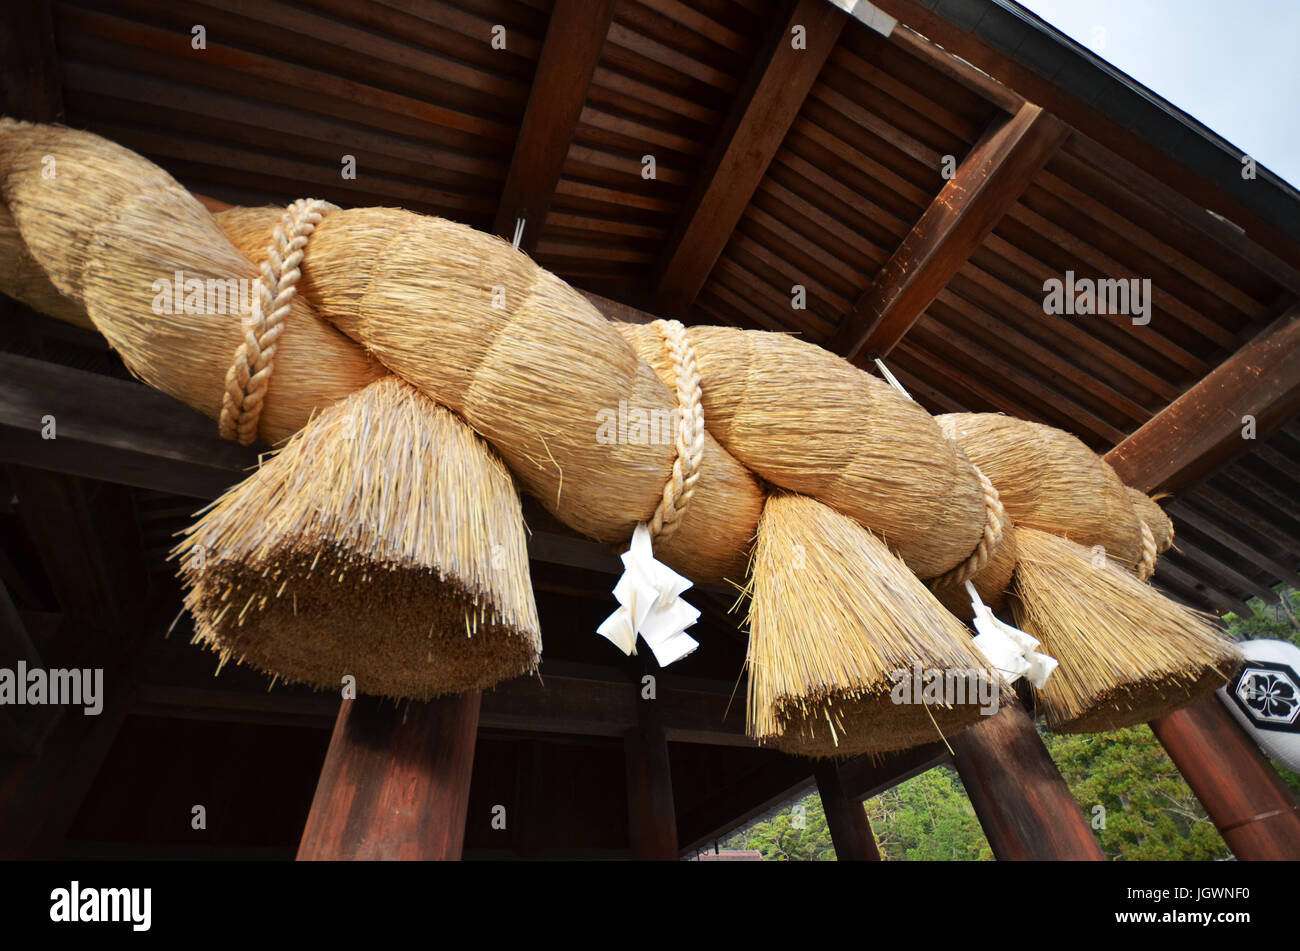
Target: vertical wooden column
<point>846,817</point>
<point>1245,798</point>
<point>395,784</point>
<point>1022,802</point>
<point>652,817</point>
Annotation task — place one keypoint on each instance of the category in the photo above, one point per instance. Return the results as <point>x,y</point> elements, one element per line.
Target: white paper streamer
<point>650,605</point>
<point>1010,651</point>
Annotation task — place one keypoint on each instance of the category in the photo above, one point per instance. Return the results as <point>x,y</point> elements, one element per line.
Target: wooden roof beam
<point>1203,429</point>
<point>574,40</point>
<point>988,182</point>
<point>766,107</point>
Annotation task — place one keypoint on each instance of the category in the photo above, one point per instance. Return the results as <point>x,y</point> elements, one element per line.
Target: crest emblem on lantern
<point>1268,693</point>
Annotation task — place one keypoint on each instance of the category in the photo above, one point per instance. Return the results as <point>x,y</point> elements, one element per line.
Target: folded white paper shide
<point>1011,652</point>
<point>650,605</point>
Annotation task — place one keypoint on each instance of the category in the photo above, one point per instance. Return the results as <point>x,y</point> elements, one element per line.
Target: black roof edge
<point>1022,35</point>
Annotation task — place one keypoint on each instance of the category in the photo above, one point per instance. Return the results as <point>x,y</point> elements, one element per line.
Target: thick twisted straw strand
<point>989,540</point>
<point>250,373</point>
<point>112,222</point>
<point>680,488</point>
<point>1147,566</point>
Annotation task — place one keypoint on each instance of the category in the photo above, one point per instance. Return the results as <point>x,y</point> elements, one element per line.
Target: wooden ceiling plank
<point>1247,517</point>
<point>1205,525</point>
<point>574,40</point>
<point>1222,571</point>
<point>1066,333</point>
<point>766,107</point>
<point>1202,429</point>
<point>1055,365</point>
<point>987,183</point>
<point>1205,593</point>
<point>1162,195</point>
<point>30,89</point>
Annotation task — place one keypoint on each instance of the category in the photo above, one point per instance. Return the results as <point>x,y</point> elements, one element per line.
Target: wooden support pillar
<point>846,817</point>
<point>1255,812</point>
<point>395,784</point>
<point>1022,802</point>
<point>651,814</point>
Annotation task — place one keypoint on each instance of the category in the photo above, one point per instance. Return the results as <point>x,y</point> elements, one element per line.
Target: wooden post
<point>1255,812</point>
<point>652,816</point>
<point>846,817</point>
<point>1022,802</point>
<point>395,784</point>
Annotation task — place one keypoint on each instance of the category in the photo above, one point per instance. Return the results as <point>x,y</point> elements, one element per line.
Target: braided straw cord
<point>250,373</point>
<point>690,431</point>
<point>995,518</point>
<point>1147,566</point>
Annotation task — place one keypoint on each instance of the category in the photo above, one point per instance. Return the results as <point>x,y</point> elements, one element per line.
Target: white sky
<point>1235,66</point>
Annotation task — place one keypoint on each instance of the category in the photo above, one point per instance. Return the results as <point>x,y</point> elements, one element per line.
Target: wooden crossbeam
<point>574,39</point>
<point>100,436</point>
<point>1203,429</point>
<point>988,182</point>
<point>561,703</point>
<point>766,106</point>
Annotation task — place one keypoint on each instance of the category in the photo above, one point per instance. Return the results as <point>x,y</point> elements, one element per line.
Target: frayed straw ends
<point>1128,654</point>
<point>836,620</point>
<point>384,541</point>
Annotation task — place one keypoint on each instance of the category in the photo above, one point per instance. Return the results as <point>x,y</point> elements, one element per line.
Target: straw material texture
<point>1050,480</point>
<point>834,617</point>
<point>108,224</point>
<point>1127,652</point>
<point>534,367</point>
<point>384,541</point>
<point>1149,511</point>
<point>23,280</point>
<point>811,422</point>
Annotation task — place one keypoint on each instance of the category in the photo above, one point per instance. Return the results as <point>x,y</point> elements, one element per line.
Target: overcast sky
<point>1234,66</point>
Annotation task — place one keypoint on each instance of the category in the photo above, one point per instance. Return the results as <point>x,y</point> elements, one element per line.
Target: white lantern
<point>1264,696</point>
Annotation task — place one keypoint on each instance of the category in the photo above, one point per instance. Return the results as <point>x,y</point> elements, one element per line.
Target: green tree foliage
<point>928,818</point>
<point>798,833</point>
<point>1149,811</point>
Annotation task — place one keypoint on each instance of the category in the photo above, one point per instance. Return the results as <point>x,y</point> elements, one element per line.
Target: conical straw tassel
<point>1127,652</point>
<point>839,626</point>
<point>385,541</point>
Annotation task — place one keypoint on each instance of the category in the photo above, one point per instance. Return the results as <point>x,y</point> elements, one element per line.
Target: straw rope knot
<point>1147,566</point>
<point>990,538</point>
<point>680,487</point>
<point>249,375</point>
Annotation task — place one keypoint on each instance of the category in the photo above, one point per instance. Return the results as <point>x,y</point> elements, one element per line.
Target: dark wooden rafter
<point>948,38</point>
<point>567,63</point>
<point>29,78</point>
<point>988,182</point>
<point>766,107</point>
<point>1202,429</point>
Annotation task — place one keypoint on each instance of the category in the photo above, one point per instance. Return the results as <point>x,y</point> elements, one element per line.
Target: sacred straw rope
<point>1147,566</point>
<point>995,517</point>
<point>690,431</point>
<point>250,373</point>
